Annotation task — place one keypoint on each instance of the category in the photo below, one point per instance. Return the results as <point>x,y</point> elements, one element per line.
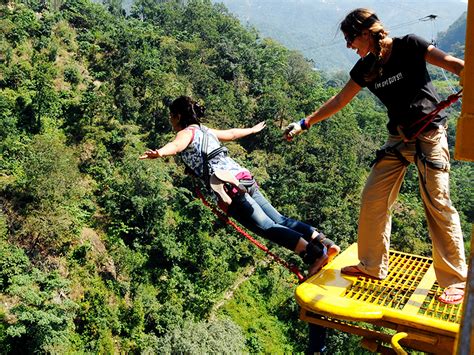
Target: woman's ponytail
<point>189,111</point>
<point>198,110</point>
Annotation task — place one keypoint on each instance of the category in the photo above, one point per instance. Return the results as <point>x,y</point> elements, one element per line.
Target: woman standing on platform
<point>394,69</point>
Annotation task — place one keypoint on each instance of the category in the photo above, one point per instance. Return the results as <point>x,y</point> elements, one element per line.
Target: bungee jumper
<point>234,187</point>
<point>394,70</point>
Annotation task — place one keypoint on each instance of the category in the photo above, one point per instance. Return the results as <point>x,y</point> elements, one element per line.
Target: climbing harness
<point>222,182</point>
<point>227,220</point>
<point>425,121</point>
<point>381,153</point>
<point>207,157</point>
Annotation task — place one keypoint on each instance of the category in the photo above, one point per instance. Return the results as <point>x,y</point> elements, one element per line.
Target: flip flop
<point>455,297</point>
<point>353,270</point>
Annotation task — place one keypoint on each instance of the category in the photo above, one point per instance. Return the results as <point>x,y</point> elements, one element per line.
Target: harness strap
<point>427,119</point>
<point>292,268</point>
<point>314,250</point>
<point>250,185</point>
<point>433,164</point>
<point>326,241</point>
<point>207,157</point>
<point>216,152</point>
<point>382,153</point>
<point>205,167</point>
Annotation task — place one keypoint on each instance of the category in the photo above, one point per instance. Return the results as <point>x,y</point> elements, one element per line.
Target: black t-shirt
<point>405,86</point>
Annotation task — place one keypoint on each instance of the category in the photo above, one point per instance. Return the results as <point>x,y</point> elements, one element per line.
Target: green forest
<point>101,252</point>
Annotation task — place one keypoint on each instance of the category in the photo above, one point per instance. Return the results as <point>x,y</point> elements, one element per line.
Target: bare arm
<point>236,133</point>
<point>443,60</point>
<point>329,108</point>
<point>335,103</point>
<point>181,141</point>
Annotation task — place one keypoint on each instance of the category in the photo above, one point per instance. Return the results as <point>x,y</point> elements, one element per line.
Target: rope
<point>429,118</point>
<point>227,220</point>
<point>451,99</point>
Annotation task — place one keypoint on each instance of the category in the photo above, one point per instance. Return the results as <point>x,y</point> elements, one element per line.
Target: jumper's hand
<point>150,154</point>
<point>292,130</point>
<point>258,127</point>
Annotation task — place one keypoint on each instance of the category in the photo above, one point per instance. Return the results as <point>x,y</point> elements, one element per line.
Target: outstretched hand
<point>150,154</point>
<point>292,130</point>
<point>258,127</point>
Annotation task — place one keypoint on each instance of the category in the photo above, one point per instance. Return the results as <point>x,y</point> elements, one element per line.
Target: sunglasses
<point>350,37</point>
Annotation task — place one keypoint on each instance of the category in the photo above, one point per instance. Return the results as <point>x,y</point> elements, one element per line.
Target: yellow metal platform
<point>402,308</point>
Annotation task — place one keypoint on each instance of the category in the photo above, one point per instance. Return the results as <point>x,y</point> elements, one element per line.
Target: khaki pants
<point>380,192</point>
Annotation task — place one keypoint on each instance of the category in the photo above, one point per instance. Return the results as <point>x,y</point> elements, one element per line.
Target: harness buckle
<point>226,186</point>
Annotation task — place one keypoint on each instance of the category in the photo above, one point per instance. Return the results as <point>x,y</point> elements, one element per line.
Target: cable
<point>292,268</point>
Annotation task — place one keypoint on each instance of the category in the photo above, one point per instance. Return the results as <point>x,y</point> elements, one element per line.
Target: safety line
<point>293,268</point>
<point>432,115</point>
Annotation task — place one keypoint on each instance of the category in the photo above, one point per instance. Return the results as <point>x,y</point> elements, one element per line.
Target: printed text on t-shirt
<point>388,81</point>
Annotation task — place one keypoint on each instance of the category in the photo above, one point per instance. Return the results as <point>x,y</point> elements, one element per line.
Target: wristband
<point>304,125</point>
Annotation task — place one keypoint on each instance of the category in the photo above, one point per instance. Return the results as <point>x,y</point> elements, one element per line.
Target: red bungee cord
<point>427,119</point>
<point>227,220</point>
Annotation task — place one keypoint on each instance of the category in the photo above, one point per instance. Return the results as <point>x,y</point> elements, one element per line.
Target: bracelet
<point>304,125</point>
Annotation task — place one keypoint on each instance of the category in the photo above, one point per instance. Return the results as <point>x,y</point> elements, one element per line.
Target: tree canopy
<point>101,252</point>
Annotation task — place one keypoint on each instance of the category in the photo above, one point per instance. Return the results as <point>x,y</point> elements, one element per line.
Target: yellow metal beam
<point>465,341</point>
<point>464,149</point>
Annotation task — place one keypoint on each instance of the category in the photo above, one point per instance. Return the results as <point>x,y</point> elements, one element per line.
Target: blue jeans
<point>258,215</point>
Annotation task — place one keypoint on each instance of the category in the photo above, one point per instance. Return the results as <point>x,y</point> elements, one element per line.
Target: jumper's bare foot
<point>451,295</point>
<point>333,250</point>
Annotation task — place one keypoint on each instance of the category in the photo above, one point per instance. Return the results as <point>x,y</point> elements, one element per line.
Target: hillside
<point>101,252</point>
<point>453,39</point>
<point>311,26</point>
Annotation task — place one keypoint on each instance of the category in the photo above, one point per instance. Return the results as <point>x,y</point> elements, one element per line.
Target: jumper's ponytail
<point>199,110</point>
<point>189,111</point>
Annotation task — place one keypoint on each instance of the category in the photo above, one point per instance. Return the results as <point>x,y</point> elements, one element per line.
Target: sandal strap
<point>324,240</point>
<point>314,250</point>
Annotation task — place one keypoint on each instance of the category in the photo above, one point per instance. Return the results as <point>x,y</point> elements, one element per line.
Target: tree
<point>48,195</point>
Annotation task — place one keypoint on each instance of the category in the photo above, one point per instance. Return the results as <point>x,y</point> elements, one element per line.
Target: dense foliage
<point>101,252</point>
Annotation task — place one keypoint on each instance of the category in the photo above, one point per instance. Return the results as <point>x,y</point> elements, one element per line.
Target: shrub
<point>220,336</point>
<point>13,262</point>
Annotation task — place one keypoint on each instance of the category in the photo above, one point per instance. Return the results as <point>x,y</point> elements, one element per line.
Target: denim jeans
<point>258,215</point>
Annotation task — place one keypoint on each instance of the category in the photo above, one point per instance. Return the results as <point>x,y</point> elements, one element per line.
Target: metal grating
<point>405,273</point>
<point>435,309</point>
